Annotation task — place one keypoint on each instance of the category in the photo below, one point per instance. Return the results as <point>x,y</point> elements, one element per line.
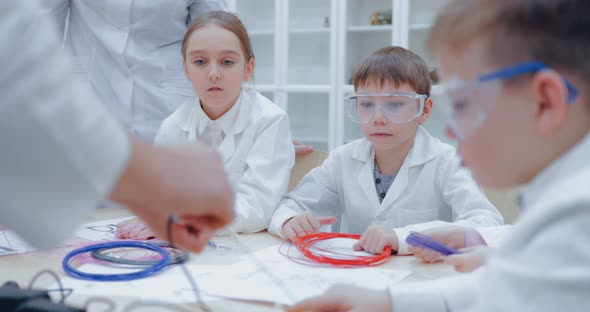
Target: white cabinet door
<point>309,37</point>
<point>421,15</point>
<point>309,115</point>
<point>259,18</point>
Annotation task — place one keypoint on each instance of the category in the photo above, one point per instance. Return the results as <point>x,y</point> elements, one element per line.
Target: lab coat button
<point>382,195</point>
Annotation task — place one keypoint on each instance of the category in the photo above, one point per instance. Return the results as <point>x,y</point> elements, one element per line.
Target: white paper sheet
<point>11,243</point>
<point>280,280</point>
<point>99,231</point>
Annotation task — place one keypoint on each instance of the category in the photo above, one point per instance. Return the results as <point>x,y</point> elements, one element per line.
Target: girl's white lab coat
<point>258,154</point>
<point>129,51</point>
<point>429,186</point>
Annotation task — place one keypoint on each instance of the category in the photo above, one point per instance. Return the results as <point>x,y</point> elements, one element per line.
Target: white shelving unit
<point>307,50</point>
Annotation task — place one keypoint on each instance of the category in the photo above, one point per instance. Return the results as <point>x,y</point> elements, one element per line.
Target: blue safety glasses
<point>525,68</point>
<point>467,103</point>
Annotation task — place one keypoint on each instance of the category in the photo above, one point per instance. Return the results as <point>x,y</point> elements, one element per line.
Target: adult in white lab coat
<point>129,51</point>
<point>430,185</point>
<point>256,151</point>
<point>62,152</point>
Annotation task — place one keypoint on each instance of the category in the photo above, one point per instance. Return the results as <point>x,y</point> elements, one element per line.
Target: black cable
<point>178,257</point>
<point>61,288</point>
<point>171,220</point>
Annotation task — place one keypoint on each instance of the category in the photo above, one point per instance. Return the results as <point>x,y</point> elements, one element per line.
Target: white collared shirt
<point>129,51</point>
<point>213,132</point>
<point>543,265</point>
<point>429,186</point>
<point>257,152</point>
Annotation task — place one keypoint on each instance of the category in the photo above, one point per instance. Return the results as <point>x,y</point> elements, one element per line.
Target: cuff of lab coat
<point>402,234</point>
<point>281,215</point>
<point>416,297</point>
<point>494,235</point>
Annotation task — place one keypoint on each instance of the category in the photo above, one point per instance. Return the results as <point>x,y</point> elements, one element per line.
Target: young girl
<point>251,133</point>
<point>395,177</point>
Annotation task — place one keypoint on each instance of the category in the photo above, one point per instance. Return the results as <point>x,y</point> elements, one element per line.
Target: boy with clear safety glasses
<point>516,77</point>
<point>397,178</point>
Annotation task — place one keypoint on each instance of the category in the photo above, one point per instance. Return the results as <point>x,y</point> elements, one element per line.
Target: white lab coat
<point>430,185</point>
<point>258,154</point>
<point>61,152</point>
<point>543,263</point>
<point>129,51</point>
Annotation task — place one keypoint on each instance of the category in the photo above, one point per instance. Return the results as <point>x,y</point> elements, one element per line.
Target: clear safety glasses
<point>398,107</point>
<point>466,104</point>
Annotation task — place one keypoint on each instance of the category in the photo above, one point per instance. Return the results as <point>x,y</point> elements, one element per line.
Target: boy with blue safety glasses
<point>516,77</point>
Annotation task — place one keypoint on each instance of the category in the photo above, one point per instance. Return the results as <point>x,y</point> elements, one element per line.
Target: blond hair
<point>224,20</point>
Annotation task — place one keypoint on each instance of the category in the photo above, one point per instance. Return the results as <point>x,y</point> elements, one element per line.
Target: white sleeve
<point>449,294</point>
<point>544,265</point>
<point>469,205</point>
<point>316,192</point>
<point>61,151</point>
<point>199,7</point>
<point>494,236</point>
<point>266,179</point>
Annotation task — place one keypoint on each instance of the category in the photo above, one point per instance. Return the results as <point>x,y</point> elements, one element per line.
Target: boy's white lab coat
<point>258,154</point>
<point>541,266</point>
<point>429,186</point>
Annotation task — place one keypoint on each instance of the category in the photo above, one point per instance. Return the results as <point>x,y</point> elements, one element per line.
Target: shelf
<point>424,26</point>
<point>369,28</point>
<point>261,32</point>
<point>313,139</point>
<point>266,87</point>
<point>359,12</point>
<point>319,30</point>
<point>308,88</point>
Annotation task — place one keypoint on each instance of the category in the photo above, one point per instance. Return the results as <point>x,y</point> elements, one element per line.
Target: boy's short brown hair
<point>555,32</point>
<point>396,65</point>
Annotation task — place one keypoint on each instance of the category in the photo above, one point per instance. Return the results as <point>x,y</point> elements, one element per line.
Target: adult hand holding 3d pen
<point>178,186</point>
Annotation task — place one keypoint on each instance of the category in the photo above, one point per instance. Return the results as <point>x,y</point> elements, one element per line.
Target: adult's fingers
<point>190,239</point>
